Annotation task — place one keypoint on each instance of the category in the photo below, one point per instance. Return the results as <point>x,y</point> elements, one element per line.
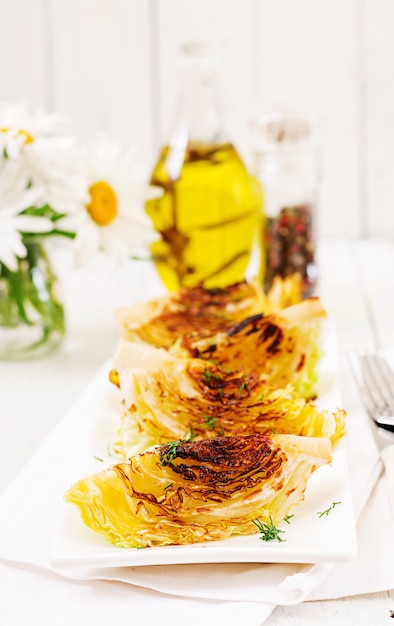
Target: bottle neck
<point>199,117</point>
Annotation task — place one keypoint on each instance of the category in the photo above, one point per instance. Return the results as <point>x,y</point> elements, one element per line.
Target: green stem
<point>28,301</point>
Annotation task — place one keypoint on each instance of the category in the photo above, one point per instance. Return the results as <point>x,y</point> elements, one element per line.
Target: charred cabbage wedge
<point>164,398</point>
<point>282,347</point>
<point>188,492</point>
<point>159,322</point>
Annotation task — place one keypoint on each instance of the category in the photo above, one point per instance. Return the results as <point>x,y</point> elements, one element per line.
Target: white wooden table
<point>357,288</point>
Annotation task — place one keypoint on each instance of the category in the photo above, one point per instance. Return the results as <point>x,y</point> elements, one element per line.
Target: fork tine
<point>367,388</point>
<point>380,381</point>
<point>378,390</point>
<point>361,378</point>
<point>374,381</point>
<point>388,376</point>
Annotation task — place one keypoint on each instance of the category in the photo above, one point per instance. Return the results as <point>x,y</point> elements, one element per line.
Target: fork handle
<point>387,455</point>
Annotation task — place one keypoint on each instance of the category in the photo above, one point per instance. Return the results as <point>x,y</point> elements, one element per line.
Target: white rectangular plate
<point>308,538</point>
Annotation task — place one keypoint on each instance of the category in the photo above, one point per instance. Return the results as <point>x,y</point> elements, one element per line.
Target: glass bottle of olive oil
<point>207,217</point>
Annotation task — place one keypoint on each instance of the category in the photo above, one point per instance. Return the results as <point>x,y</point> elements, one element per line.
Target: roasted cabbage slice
<point>159,322</point>
<point>165,397</point>
<point>284,347</point>
<point>285,291</point>
<point>188,492</point>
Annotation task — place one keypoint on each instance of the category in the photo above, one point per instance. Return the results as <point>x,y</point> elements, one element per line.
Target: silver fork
<point>375,380</point>
<point>377,392</point>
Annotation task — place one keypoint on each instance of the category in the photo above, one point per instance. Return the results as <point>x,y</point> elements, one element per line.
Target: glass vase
<point>31,314</point>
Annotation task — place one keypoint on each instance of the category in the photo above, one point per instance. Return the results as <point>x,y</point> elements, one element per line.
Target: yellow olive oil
<point>207,217</point>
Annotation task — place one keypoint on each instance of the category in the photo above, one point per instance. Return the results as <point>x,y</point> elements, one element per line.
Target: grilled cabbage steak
<point>162,320</point>
<point>159,322</point>
<point>192,491</point>
<point>165,397</point>
<point>284,347</point>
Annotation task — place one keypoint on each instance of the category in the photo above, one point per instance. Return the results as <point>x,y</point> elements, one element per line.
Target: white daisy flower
<point>48,155</point>
<point>113,219</point>
<point>100,192</point>
<point>52,166</point>
<point>33,126</point>
<point>15,198</point>
<point>11,143</point>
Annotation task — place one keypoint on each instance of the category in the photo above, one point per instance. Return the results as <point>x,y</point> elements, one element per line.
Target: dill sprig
<point>169,455</point>
<point>209,377</point>
<point>172,448</point>
<point>327,511</point>
<point>209,420</point>
<point>268,531</point>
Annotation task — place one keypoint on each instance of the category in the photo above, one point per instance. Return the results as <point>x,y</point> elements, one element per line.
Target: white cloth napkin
<point>214,593</point>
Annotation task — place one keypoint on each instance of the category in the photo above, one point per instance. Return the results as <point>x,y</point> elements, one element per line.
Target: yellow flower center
<point>21,133</point>
<point>103,206</point>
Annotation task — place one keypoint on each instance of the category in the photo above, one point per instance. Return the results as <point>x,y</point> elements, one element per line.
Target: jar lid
<point>285,131</point>
<point>199,52</point>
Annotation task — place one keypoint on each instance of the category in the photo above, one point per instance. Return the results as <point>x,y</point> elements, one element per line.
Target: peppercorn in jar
<point>286,163</point>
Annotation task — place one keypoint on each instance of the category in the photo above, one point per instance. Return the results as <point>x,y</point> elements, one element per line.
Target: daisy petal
<point>11,247</point>
<point>87,244</point>
<point>33,224</point>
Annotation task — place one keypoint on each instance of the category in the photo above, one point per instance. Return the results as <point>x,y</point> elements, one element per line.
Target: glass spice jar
<point>285,147</point>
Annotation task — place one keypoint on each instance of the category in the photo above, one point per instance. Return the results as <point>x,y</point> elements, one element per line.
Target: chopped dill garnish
<point>212,422</point>
<point>206,374</point>
<point>262,397</point>
<point>168,486</point>
<point>209,420</point>
<point>242,388</point>
<point>209,377</point>
<point>98,458</point>
<point>171,451</point>
<point>192,434</point>
<point>327,511</point>
<point>288,518</point>
<point>273,430</point>
<point>140,547</point>
<point>172,446</point>
<point>268,532</point>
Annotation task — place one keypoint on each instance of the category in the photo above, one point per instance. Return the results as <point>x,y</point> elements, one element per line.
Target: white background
<point>109,65</point>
